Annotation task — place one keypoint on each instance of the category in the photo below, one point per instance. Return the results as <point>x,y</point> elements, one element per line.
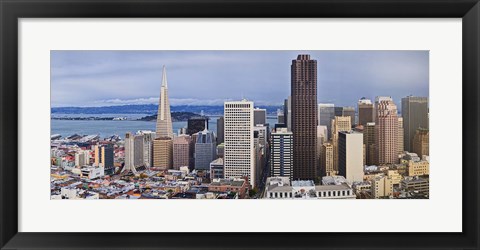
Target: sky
<point>107,78</point>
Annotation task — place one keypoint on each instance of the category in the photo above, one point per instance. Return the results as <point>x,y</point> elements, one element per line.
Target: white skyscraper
<point>350,155</point>
<point>239,140</point>
<point>129,154</point>
<point>148,137</point>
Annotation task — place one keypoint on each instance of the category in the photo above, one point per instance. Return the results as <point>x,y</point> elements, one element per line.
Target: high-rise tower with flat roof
<point>415,115</point>
<point>239,158</point>
<point>304,117</point>
<point>386,131</point>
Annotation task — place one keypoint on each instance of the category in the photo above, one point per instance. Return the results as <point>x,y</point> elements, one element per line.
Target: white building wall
<point>239,145</point>
<point>354,157</point>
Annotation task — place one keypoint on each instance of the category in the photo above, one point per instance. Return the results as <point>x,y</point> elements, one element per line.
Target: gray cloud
<point>97,78</point>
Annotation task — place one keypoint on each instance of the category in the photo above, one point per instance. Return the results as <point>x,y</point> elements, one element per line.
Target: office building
<point>350,156</point>
<point>400,133</point>
<point>262,132</point>
<point>82,158</point>
<point>326,162</point>
<point>322,134</point>
<point>162,153</point>
<point>339,124</point>
<point>280,117</point>
<point>220,128</point>
<point>369,141</point>
<point>365,111</point>
<point>133,152</point>
<point>421,142</point>
<point>281,153</point>
<point>417,166</point>
<point>417,186</point>
<point>326,113</point>
<point>386,131</point>
<point>350,112</point>
<point>181,151</point>
<point>304,117</point>
<point>221,150</point>
<point>415,115</point>
<point>164,117</point>
<point>148,137</point>
<point>382,187</point>
<point>259,116</point>
<point>205,149</point>
<point>104,158</point>
<point>239,158</point>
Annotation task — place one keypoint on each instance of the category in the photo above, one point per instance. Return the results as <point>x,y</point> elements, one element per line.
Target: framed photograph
<point>239,124</point>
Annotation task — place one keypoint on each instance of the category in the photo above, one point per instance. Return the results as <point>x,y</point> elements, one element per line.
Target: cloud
<point>86,78</point>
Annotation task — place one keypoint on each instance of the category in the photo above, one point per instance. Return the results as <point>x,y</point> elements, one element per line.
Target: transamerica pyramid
<point>164,117</point>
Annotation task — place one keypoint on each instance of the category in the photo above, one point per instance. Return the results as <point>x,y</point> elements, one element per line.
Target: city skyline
<point>110,78</point>
<point>252,160</point>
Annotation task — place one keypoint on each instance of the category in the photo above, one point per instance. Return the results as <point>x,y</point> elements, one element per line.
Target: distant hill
<point>149,109</point>
<point>176,116</point>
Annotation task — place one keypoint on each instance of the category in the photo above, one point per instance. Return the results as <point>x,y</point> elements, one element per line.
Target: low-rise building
<point>282,188</point>
<point>382,187</point>
<point>217,169</point>
<point>237,185</point>
<point>416,168</point>
<point>91,172</point>
<point>416,185</point>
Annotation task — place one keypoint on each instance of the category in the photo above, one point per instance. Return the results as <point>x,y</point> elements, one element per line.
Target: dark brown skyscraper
<point>304,117</point>
<point>365,111</point>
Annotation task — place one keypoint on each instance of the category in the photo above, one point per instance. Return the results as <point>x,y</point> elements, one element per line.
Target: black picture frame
<point>11,11</point>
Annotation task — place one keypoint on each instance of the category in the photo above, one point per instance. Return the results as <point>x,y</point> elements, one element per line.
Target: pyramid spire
<point>164,117</point>
<point>164,77</point>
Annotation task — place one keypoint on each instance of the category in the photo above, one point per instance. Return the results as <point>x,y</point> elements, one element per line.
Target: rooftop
<point>306,183</point>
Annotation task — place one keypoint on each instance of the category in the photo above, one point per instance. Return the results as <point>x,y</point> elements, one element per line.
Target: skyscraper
<point>205,149</point>
<point>239,158</point>
<point>400,133</point>
<point>326,113</point>
<point>104,157</point>
<point>148,137</point>
<point>365,111</point>
<point>164,117</point>
<point>288,113</point>
<point>163,153</point>
<point>350,155</point>
<point>259,116</point>
<point>220,127</point>
<point>321,138</point>
<point>421,142</point>
<point>350,112</point>
<point>133,152</point>
<point>304,117</point>
<point>163,144</point>
<point>386,131</point>
<point>369,141</point>
<point>415,115</point>
<point>281,159</point>
<point>326,158</point>
<point>339,124</point>
<point>280,117</point>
